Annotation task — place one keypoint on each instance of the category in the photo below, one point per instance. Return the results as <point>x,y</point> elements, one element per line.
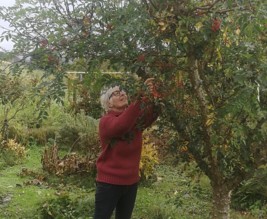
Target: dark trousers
<point>109,197</point>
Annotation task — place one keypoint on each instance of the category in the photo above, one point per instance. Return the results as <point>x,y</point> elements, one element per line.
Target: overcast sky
<point>6,45</point>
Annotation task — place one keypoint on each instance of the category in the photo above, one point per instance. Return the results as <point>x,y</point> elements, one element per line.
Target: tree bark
<point>221,202</point>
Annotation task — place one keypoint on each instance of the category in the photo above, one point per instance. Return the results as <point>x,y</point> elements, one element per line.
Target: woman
<point>120,131</point>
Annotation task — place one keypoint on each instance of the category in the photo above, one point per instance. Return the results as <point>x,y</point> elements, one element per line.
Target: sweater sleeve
<point>149,115</point>
<point>113,126</point>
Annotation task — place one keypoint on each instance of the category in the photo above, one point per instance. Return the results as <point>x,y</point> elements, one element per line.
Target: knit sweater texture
<point>121,143</point>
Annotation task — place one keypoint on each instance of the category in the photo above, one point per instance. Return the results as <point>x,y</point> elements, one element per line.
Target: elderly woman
<point>120,131</point>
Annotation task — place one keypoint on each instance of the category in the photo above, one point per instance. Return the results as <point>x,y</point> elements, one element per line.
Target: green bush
<point>79,133</point>
<point>76,132</point>
<point>252,193</point>
<point>12,152</point>
<point>149,158</point>
<point>66,207</point>
<point>25,126</point>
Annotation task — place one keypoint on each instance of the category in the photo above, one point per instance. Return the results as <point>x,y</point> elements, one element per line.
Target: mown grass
<point>18,199</point>
<point>175,193</point>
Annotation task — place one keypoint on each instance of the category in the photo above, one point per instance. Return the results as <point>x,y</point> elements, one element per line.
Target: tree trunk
<point>221,202</point>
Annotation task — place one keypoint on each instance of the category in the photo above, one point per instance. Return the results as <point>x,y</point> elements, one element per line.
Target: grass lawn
<point>21,196</point>
<point>173,195</point>
<point>27,192</point>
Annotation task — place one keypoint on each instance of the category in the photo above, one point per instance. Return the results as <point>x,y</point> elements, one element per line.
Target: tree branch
<point>208,6</point>
<point>203,102</point>
<point>61,13</point>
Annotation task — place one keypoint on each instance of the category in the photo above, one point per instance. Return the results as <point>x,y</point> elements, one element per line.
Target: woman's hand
<point>150,83</point>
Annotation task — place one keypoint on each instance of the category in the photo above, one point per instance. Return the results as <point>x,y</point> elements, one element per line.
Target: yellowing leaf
<point>219,54</point>
<point>238,31</point>
<point>210,119</point>
<point>198,26</point>
<point>209,122</point>
<point>210,107</point>
<point>167,40</point>
<point>86,21</point>
<point>163,28</point>
<point>226,39</point>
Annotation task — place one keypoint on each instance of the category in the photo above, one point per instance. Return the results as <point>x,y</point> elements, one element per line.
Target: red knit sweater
<point>121,143</point>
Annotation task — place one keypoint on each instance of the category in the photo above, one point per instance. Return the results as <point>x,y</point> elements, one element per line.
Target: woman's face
<point>118,99</point>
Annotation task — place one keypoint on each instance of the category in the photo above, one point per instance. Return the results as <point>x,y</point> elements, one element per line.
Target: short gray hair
<point>105,96</point>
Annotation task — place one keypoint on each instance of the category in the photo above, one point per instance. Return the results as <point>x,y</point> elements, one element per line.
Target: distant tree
<point>12,93</point>
<point>2,54</point>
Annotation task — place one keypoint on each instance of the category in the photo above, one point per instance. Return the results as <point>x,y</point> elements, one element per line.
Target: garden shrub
<point>252,193</point>
<point>41,131</point>
<point>26,127</point>
<point>71,163</point>
<point>41,135</point>
<point>66,207</point>
<point>149,157</point>
<point>170,150</point>
<point>79,133</point>
<point>28,135</point>
<point>86,99</point>
<point>12,152</point>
